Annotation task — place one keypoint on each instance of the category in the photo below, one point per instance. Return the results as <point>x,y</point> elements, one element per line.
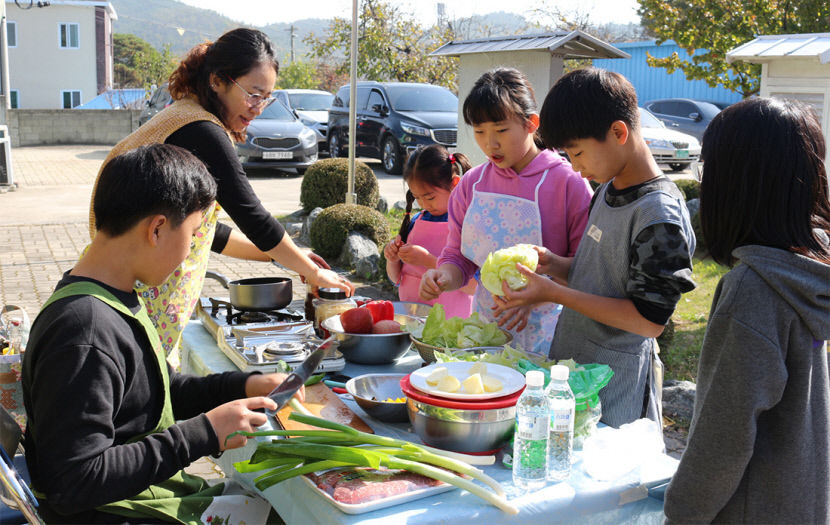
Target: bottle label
<point>530,427</point>
<point>562,420</point>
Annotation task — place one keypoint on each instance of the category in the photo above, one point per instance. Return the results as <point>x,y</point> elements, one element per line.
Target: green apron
<point>183,498</point>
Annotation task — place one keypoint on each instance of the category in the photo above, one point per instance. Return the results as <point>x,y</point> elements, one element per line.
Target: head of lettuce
<point>501,266</point>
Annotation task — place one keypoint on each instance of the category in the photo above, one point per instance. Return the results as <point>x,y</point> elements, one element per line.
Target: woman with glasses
<point>218,89</point>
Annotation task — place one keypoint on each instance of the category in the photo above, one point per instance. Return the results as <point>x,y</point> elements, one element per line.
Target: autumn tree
<point>391,46</point>
<point>708,29</point>
<point>297,75</point>
<point>137,64</point>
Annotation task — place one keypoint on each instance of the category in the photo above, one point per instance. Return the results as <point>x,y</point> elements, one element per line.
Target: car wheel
<point>391,156</point>
<point>678,166</point>
<point>334,146</point>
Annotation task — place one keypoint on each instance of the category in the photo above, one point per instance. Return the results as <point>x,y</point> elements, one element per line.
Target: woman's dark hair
<point>432,165</point>
<point>584,103</point>
<point>764,180</point>
<point>498,95</point>
<point>149,180</point>
<point>233,55</point>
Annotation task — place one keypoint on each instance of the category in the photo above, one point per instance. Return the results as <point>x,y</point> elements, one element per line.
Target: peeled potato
<point>478,367</point>
<point>473,384</point>
<point>436,375</point>
<point>492,384</point>
<point>449,384</point>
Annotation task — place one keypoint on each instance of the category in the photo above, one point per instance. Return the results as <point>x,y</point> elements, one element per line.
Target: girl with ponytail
<point>431,174</point>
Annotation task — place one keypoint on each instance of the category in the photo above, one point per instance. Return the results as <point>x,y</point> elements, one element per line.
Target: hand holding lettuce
<point>501,266</point>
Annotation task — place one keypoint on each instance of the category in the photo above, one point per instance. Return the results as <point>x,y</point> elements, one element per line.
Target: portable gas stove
<point>258,340</point>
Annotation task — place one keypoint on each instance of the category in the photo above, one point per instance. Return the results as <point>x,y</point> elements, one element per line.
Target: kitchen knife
<point>298,377</point>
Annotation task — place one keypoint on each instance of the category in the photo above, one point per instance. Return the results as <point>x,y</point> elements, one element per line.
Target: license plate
<point>288,154</point>
<point>682,154</point>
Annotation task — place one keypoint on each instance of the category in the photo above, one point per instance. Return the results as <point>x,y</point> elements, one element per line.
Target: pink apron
<point>494,221</point>
<point>433,237</point>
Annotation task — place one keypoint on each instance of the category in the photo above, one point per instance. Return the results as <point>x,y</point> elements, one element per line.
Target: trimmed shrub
<point>689,187</point>
<point>329,231</point>
<point>326,181</point>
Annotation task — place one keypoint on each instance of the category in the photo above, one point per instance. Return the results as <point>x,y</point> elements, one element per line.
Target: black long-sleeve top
<point>90,384</point>
<point>210,144</point>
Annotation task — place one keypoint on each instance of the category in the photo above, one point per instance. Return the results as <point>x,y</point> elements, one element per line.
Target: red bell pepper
<point>381,310</point>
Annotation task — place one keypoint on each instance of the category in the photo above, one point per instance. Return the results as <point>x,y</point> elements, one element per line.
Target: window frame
<point>69,25</point>
<point>9,44</point>
<point>71,91</point>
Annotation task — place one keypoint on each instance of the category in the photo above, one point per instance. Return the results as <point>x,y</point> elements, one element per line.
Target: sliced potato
<point>473,384</point>
<point>492,384</point>
<point>479,367</point>
<point>449,384</point>
<point>436,375</point>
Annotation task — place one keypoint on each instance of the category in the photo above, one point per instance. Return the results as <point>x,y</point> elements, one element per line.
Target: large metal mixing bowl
<point>369,391</point>
<point>461,430</point>
<point>370,349</point>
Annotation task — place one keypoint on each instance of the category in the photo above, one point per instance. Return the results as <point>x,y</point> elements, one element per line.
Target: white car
<point>312,108</point>
<point>667,146</point>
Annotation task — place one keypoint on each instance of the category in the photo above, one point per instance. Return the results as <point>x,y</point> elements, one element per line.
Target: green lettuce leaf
<point>501,266</point>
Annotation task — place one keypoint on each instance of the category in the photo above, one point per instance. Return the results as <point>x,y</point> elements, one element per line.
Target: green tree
<point>298,75</point>
<point>391,46</point>
<point>708,29</point>
<point>137,64</point>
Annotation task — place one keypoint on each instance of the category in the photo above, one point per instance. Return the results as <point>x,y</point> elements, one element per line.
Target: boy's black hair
<point>498,95</point>
<point>584,103</point>
<point>764,180</point>
<point>149,180</point>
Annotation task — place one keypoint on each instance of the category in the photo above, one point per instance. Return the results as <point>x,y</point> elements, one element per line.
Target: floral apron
<point>494,221</point>
<point>432,236</point>
<point>183,498</point>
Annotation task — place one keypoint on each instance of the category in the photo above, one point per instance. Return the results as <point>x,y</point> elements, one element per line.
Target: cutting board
<point>323,403</point>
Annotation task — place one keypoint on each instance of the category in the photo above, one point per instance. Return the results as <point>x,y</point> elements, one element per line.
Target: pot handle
<point>210,274</point>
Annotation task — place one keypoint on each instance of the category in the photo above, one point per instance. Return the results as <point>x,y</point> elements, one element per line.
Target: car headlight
<point>659,143</point>
<point>412,129</point>
<point>307,137</point>
<point>308,122</point>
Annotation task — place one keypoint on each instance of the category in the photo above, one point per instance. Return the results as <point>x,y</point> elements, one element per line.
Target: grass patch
<point>681,355</point>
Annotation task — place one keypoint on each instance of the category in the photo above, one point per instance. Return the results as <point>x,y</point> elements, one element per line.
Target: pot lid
<point>423,397</point>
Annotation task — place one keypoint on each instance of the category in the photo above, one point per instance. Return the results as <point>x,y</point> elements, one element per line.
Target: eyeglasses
<point>254,100</point>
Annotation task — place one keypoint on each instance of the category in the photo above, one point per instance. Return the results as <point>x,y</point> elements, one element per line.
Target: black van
<point>393,118</point>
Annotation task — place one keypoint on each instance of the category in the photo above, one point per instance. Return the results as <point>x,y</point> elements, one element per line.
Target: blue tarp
<point>117,99</point>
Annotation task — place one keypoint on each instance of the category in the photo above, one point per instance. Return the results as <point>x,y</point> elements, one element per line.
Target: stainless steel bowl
<point>461,430</point>
<point>370,349</point>
<point>369,391</point>
<point>428,351</point>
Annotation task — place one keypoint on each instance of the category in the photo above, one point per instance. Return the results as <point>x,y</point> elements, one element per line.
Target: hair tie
<point>451,158</point>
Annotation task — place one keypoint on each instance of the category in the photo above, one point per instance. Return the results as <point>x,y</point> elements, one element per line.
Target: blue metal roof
<point>117,99</point>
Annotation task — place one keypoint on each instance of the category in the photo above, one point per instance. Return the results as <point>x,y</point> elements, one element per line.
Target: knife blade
<point>298,377</point>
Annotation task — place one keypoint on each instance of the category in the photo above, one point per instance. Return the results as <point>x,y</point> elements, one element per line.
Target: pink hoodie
<point>564,199</point>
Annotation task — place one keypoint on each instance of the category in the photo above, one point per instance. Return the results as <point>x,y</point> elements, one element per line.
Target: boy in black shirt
<point>110,425</point>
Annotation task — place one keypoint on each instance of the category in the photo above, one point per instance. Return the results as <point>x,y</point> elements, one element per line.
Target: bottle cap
<point>560,372</point>
<point>535,378</point>
<point>331,293</point>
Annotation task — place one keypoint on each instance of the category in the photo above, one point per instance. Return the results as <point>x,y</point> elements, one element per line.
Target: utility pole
<point>4,55</point>
<point>293,36</point>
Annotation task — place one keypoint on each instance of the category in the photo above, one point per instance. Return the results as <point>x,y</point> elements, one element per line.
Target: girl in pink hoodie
<point>522,194</point>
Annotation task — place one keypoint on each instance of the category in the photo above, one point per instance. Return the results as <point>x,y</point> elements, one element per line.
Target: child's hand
<point>263,384</point>
<point>416,255</point>
<point>514,317</point>
<point>433,283</point>
<point>539,289</point>
<point>238,415</point>
<point>553,265</point>
<point>390,251</point>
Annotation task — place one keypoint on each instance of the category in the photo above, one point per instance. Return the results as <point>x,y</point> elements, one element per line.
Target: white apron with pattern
<point>494,221</point>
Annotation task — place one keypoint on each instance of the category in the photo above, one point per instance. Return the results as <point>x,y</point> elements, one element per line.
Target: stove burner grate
<point>232,316</point>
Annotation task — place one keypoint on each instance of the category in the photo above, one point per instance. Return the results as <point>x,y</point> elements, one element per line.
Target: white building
<point>60,55</point>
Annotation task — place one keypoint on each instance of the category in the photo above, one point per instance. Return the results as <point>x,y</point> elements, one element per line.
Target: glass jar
<point>330,302</point>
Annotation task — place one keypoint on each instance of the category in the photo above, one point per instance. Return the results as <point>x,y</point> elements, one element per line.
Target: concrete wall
<point>34,127</point>
<point>39,68</point>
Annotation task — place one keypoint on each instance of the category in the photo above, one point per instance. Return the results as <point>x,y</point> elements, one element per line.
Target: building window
<point>11,34</point>
<point>14,98</point>
<point>70,99</point>
<point>68,36</point>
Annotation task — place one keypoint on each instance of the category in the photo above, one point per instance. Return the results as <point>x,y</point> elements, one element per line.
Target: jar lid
<point>331,293</point>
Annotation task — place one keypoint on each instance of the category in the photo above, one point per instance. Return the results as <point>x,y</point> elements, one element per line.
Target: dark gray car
<point>684,114</point>
<point>277,139</point>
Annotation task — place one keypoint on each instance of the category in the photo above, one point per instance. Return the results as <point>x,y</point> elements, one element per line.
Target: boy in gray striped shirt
<point>635,258</point>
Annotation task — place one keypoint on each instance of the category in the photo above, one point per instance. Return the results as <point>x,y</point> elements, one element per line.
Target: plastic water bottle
<point>562,406</point>
<point>530,441</point>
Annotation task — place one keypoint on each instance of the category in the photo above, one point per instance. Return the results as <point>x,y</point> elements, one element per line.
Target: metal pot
<point>257,293</point>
